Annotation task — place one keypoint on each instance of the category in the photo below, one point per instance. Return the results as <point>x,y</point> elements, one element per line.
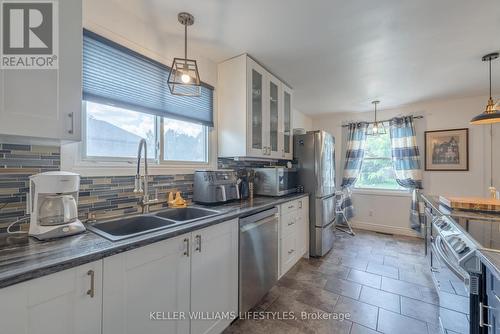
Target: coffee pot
<point>53,205</point>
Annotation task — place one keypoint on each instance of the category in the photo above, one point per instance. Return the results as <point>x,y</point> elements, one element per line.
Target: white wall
<point>301,120</point>
<point>387,212</point>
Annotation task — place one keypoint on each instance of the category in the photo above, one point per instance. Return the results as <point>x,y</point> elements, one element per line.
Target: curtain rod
<point>384,121</point>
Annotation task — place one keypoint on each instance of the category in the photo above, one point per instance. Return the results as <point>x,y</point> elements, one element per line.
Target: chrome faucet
<point>145,202</point>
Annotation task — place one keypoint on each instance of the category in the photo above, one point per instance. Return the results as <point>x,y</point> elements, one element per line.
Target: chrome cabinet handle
<point>481,316</point>
<point>291,206</point>
<point>291,251</point>
<point>291,223</point>
<point>91,291</point>
<point>300,204</point>
<point>198,243</point>
<point>434,270</point>
<point>186,250</point>
<point>72,129</point>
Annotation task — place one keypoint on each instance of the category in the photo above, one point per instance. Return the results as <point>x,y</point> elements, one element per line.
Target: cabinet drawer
<point>288,252</point>
<point>289,223</point>
<point>289,207</point>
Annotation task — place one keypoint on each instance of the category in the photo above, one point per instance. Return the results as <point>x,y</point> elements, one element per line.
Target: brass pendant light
<point>492,113</point>
<point>184,78</point>
<point>377,128</point>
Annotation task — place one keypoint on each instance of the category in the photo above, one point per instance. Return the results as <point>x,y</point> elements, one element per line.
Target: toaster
<point>215,186</point>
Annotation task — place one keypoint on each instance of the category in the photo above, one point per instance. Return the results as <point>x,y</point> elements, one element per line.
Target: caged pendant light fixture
<point>377,128</point>
<point>184,78</point>
<point>492,113</point>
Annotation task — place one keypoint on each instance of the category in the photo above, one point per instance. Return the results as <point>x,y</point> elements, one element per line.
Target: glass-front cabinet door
<point>287,150</point>
<point>256,141</point>
<point>274,149</point>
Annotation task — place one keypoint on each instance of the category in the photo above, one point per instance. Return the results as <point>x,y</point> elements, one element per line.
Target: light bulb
<point>375,128</point>
<point>185,78</point>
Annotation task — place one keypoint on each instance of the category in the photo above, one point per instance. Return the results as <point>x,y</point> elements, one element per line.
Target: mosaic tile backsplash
<point>107,196</point>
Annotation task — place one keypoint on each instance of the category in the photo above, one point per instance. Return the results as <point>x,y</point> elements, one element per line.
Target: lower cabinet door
<point>303,226</point>
<point>146,290</point>
<point>288,252</point>
<point>214,277</point>
<point>66,302</point>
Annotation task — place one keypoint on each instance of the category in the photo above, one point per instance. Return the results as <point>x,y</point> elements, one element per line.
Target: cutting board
<point>471,203</point>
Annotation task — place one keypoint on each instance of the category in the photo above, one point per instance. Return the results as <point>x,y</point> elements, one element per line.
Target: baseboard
<point>383,228</point>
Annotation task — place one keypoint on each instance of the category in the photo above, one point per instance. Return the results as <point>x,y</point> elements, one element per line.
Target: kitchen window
<point>113,134</point>
<point>377,171</point>
<point>127,98</point>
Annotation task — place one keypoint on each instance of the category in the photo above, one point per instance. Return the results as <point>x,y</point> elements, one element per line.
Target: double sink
<point>128,227</point>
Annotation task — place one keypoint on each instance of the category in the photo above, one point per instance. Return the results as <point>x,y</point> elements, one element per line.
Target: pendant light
<point>492,113</point>
<point>184,78</point>
<point>377,128</point>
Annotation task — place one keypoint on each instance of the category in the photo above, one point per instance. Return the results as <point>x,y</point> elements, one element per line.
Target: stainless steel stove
<point>453,241</point>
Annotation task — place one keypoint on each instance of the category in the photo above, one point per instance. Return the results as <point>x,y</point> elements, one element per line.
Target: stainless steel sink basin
<point>122,228</point>
<point>186,214</point>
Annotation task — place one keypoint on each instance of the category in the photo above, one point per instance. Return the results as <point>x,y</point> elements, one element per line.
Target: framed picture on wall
<point>447,150</point>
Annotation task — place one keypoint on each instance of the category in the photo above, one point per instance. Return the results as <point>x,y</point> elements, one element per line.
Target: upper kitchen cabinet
<point>30,98</point>
<point>254,109</point>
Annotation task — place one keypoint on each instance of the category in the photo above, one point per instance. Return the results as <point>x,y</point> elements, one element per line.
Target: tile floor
<point>381,280</point>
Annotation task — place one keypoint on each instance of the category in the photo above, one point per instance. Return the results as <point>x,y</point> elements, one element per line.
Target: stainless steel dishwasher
<point>258,256</point>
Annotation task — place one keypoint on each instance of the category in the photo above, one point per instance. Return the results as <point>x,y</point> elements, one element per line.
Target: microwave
<point>275,181</point>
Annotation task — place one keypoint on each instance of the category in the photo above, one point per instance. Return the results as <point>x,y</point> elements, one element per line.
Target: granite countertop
<point>23,258</point>
<point>488,257</point>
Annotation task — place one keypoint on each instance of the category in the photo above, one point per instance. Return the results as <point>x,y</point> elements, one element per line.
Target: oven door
<point>448,277</point>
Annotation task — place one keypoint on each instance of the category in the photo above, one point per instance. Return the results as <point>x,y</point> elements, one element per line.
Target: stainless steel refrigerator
<point>315,155</point>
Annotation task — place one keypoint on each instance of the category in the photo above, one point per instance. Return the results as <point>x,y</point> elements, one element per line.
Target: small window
<point>113,132</point>
<point>377,171</point>
<point>184,141</point>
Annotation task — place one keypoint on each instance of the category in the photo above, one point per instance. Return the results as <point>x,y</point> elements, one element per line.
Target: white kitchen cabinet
<point>214,276</point>
<point>194,274</point>
<point>153,278</point>
<point>286,132</point>
<point>66,302</point>
<point>46,103</point>
<point>254,111</point>
<point>294,232</point>
<point>303,226</point>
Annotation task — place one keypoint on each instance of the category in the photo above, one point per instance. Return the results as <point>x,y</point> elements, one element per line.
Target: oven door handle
<point>437,248</point>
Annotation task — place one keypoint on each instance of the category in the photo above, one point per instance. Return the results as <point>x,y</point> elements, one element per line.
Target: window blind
<point>116,75</point>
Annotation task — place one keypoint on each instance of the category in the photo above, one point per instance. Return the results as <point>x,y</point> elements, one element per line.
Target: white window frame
<point>161,147</point>
<point>380,191</point>
<point>73,157</point>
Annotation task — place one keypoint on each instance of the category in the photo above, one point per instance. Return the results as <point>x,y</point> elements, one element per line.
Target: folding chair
<point>345,225</point>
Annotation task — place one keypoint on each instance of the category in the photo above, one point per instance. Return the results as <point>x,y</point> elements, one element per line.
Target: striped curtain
<point>406,164</point>
<point>355,153</point>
